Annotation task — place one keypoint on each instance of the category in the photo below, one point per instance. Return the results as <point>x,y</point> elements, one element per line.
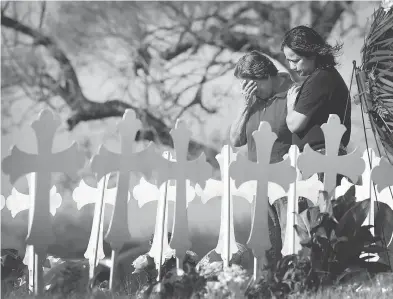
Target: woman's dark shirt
<point>324,92</point>
<point>275,114</point>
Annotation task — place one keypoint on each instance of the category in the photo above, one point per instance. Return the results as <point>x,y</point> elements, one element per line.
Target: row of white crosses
<point>40,233</point>
<point>146,162</point>
<point>226,189</point>
<point>144,192</point>
<point>257,180</point>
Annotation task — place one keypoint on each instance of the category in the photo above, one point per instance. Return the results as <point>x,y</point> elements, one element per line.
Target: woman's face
<point>304,66</point>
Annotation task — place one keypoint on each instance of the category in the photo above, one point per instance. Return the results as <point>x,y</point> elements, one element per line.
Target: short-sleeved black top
<point>275,114</point>
<point>324,92</point>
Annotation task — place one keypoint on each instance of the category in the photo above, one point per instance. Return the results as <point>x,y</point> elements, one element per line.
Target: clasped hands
<point>292,95</point>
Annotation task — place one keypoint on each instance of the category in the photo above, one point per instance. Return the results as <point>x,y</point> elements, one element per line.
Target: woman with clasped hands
<point>322,93</point>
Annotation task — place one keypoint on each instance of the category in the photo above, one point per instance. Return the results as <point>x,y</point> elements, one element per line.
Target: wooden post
<point>292,209</point>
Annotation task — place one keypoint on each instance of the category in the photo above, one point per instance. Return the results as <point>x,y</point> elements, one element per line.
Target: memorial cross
<point>18,202</point>
<point>309,189</point>
<point>123,163</point>
<point>40,234</point>
<point>350,165</point>
<point>84,195</point>
<point>225,188</point>
<point>146,192</point>
<point>197,171</point>
<point>366,189</point>
<point>2,202</point>
<point>382,175</point>
<point>282,173</point>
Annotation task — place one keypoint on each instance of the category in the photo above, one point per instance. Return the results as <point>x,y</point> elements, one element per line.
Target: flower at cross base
<point>210,270</point>
<point>222,282</point>
<point>140,263</point>
<point>145,263</point>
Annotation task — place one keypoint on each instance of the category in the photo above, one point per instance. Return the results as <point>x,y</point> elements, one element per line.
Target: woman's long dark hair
<point>306,42</point>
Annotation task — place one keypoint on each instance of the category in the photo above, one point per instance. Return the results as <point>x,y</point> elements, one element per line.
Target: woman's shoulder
<point>325,78</point>
<point>324,73</point>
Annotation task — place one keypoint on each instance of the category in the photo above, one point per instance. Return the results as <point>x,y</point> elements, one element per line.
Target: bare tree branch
<point>4,6</point>
<point>324,17</point>
<point>223,36</point>
<point>84,109</point>
<point>42,15</point>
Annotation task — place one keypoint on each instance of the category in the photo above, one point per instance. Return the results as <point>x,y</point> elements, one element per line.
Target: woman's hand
<point>292,95</point>
<point>248,91</point>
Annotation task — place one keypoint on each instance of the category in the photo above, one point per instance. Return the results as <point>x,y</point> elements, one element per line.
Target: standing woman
<point>322,93</point>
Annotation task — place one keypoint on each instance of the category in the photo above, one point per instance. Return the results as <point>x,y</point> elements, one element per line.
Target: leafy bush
<point>336,240</point>
<point>13,271</point>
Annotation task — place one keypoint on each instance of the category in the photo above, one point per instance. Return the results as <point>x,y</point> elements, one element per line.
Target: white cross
<point>147,192</point>
<point>2,202</point>
<point>18,202</point>
<point>123,163</point>
<point>366,189</point>
<point>40,233</point>
<point>308,188</point>
<point>84,195</point>
<point>382,175</point>
<point>225,188</point>
<point>350,165</point>
<point>243,170</point>
<point>197,171</point>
